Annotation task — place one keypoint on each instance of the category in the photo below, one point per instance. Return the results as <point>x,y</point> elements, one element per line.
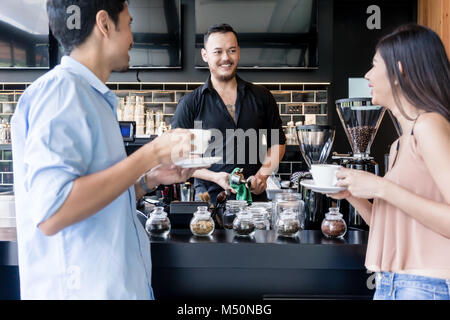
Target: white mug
<point>324,175</point>
<point>201,140</point>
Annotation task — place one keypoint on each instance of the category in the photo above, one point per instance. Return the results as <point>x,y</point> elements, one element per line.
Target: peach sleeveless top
<point>398,242</point>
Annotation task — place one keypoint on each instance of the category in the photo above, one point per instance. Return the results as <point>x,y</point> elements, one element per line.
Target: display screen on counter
<point>128,130</point>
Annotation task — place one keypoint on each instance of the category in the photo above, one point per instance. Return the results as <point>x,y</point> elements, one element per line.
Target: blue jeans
<point>398,286</point>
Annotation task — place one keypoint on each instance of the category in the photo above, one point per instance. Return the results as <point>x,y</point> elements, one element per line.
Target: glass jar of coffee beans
<point>288,224</point>
<point>333,225</point>
<point>158,224</point>
<point>260,217</point>
<point>243,224</point>
<point>202,224</point>
<point>232,208</point>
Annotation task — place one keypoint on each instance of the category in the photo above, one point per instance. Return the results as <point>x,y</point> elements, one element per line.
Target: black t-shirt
<point>242,144</point>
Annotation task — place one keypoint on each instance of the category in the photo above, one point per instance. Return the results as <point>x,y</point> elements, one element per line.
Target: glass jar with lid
<point>268,207</point>
<point>158,224</point>
<point>287,223</point>
<point>232,207</point>
<point>243,224</point>
<point>260,217</point>
<point>288,200</point>
<point>202,224</point>
<point>333,225</point>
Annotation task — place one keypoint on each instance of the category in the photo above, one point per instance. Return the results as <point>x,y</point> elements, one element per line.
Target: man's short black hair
<point>72,37</point>
<point>220,28</point>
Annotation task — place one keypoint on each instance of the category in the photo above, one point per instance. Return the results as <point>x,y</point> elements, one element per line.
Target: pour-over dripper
<point>361,121</point>
<point>315,142</point>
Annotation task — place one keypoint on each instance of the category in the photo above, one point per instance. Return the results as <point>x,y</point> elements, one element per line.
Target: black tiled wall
<point>306,102</point>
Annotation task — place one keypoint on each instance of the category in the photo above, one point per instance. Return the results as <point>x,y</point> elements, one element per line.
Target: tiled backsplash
<point>306,102</point>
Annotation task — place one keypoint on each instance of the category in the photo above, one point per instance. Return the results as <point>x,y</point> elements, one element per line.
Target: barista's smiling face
<point>221,52</point>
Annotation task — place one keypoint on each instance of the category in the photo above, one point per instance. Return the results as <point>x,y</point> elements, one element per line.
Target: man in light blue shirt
<point>75,188</point>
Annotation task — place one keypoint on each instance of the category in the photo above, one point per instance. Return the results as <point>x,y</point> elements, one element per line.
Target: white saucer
<point>197,162</point>
<point>309,184</point>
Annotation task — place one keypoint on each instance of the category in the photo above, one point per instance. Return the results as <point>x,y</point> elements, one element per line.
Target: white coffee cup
<point>324,175</point>
<point>201,140</point>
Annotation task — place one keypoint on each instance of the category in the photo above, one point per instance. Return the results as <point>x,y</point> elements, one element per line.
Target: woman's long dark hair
<point>425,80</point>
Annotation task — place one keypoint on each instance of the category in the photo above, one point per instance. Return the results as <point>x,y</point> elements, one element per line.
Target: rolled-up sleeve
<point>58,150</point>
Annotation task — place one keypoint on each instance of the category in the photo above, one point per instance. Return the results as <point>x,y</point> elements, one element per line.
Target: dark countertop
<point>347,253</point>
<point>8,247</point>
<point>224,266</point>
<point>265,237</point>
<point>352,246</point>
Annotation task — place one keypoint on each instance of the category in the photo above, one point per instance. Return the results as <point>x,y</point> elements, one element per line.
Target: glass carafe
<point>202,224</point>
<point>243,224</point>
<point>232,207</point>
<point>333,225</point>
<point>158,224</point>
<point>288,224</point>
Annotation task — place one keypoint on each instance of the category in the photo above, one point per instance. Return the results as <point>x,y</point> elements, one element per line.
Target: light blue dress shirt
<point>65,127</point>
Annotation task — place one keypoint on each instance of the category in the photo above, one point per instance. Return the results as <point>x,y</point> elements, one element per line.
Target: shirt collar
<point>208,85</point>
<point>80,69</point>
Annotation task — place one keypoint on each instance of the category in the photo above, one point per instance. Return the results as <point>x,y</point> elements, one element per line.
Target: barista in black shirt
<point>244,118</point>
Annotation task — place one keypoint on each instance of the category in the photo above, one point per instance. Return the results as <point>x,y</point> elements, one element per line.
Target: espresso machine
<point>315,142</point>
<point>361,121</point>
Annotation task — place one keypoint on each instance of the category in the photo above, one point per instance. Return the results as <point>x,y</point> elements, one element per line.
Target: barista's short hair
<point>218,28</point>
<point>69,38</point>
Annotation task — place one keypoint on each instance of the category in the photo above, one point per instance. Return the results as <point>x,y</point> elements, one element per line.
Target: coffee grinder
<point>361,121</point>
<point>315,142</point>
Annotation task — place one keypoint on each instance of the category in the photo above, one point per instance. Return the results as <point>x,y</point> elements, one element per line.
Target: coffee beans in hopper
<point>361,137</point>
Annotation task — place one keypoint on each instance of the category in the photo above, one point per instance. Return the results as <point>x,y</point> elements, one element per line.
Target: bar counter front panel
<point>224,266</point>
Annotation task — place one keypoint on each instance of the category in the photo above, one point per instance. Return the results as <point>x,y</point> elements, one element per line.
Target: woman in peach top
<point>409,239</point>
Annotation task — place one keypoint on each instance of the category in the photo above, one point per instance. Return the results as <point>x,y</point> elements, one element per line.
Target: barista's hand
<point>168,174</point>
<point>258,183</point>
<point>360,184</point>
<point>171,146</point>
<point>223,180</point>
